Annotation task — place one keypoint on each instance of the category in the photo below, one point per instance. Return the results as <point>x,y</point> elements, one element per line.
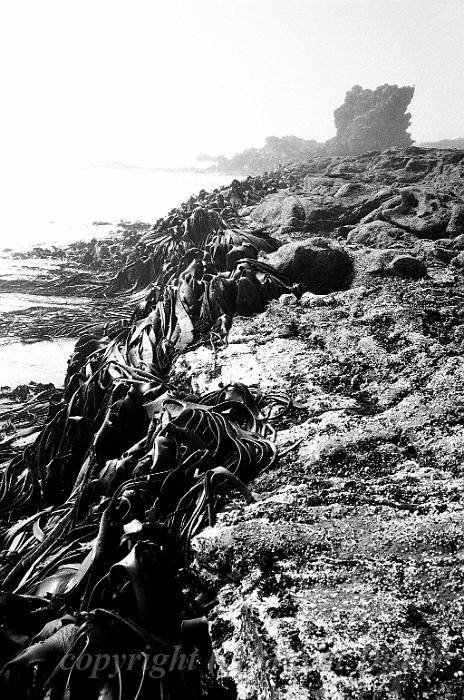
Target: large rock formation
<point>276,151</point>
<point>372,120</point>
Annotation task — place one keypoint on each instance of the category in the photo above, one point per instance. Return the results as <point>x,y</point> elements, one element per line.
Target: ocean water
<point>55,206</point>
<point>61,204</point>
<point>45,361</point>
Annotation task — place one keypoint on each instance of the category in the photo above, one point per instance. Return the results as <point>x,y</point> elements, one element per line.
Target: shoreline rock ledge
<point>335,571</point>
<point>345,579</point>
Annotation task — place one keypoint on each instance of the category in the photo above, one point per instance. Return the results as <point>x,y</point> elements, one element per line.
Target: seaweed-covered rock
<point>316,263</point>
<point>249,298</point>
<point>238,252</point>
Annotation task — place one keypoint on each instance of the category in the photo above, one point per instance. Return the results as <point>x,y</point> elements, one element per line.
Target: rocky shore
<point>344,578</point>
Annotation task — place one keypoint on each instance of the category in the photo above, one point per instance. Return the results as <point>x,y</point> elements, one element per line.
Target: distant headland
<point>368,120</point>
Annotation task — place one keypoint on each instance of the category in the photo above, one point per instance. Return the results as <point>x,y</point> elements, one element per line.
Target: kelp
<point>63,321</point>
<point>23,412</point>
<point>204,232</point>
<point>116,536</point>
<point>97,514</point>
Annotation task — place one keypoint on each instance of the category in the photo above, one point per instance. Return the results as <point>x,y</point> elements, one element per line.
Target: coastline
<point>341,572</point>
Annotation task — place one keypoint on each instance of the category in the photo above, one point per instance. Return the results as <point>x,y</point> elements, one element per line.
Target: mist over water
<point>59,204</point>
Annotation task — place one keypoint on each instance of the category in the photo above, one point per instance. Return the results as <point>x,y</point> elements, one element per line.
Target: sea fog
<point>58,204</point>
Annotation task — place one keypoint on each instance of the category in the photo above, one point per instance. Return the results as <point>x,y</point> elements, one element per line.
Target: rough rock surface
<point>422,199</point>
<point>316,263</point>
<point>407,266</point>
<point>373,119</point>
<point>456,223</point>
<point>346,578</point>
<point>379,234</point>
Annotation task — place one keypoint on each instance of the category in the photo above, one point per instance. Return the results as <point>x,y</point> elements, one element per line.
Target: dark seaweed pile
<point>98,513</point>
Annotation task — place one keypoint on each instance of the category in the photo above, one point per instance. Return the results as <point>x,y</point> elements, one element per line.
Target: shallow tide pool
<point>45,361</point>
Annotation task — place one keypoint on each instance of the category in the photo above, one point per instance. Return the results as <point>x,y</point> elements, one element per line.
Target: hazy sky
<point>159,81</point>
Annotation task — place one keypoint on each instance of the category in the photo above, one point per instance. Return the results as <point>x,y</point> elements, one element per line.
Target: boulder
<point>408,267</point>
<point>308,299</point>
<point>293,215</point>
<point>379,234</point>
<point>351,189</point>
<point>288,300</point>
<point>445,249</point>
<point>456,223</point>
<point>316,263</point>
<point>458,262</point>
<point>280,210</point>
<point>377,261</point>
